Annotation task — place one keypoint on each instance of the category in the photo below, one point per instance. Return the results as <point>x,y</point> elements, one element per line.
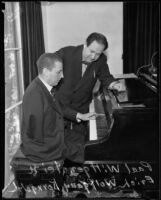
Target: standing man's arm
<point>104,75</point>
<point>68,112</point>
<point>107,80</point>
<point>74,115</point>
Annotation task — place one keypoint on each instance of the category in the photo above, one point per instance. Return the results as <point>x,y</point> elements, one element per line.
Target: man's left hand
<point>120,87</point>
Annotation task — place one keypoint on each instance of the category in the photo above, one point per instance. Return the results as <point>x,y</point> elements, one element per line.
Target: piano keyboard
<point>92,123</point>
<point>99,127</point>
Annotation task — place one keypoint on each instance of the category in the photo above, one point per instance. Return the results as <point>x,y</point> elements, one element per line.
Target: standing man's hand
<point>120,87</point>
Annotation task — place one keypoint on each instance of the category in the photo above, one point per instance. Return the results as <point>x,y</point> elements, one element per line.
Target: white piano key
<point>92,124</point>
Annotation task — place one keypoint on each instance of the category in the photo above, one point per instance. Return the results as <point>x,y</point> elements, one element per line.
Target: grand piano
<point>121,155</point>
<point>125,132</point>
<point>126,127</point>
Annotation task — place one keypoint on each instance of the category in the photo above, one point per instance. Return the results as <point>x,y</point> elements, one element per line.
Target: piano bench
<point>33,177</point>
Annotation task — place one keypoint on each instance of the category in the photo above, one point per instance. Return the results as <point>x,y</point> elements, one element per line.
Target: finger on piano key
<point>92,116</point>
<point>100,116</point>
<point>97,115</point>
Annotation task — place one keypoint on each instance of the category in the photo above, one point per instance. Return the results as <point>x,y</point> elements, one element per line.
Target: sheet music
<point>130,75</point>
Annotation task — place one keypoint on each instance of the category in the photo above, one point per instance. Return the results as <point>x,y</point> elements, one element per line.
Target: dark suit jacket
<point>74,91</point>
<point>42,124</point>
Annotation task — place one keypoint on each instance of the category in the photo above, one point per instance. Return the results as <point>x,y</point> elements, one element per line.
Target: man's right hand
<point>85,117</point>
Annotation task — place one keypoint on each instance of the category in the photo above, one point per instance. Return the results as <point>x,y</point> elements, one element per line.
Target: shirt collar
<point>49,87</point>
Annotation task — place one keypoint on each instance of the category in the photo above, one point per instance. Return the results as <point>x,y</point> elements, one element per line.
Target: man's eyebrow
<point>95,51</point>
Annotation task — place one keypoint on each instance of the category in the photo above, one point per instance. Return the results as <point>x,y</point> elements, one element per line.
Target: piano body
<point>125,133</point>
<point>122,150</point>
<point>127,124</point>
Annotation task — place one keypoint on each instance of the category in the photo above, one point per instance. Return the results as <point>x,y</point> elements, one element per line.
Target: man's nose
<point>62,75</point>
<point>93,56</point>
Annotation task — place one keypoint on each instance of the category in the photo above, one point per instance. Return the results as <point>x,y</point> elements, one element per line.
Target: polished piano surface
<point>126,127</point>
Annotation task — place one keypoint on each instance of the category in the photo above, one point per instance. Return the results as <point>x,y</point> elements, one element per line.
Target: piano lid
<point>136,92</point>
<point>149,73</point>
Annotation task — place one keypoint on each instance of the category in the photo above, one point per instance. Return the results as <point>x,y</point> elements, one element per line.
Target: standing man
<point>42,118</point>
<point>82,66</point>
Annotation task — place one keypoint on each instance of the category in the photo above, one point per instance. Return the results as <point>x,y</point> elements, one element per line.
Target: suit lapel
<point>54,104</point>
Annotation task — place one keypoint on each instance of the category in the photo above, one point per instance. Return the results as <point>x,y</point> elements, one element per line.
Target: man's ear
<point>45,71</point>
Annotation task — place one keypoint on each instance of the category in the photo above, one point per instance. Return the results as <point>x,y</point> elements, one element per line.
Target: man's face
<point>92,52</point>
<point>55,74</point>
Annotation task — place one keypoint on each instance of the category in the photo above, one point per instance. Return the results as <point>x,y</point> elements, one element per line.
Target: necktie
<point>84,66</point>
<point>53,92</point>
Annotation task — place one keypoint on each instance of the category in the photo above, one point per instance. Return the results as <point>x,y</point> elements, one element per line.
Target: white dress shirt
<point>49,87</point>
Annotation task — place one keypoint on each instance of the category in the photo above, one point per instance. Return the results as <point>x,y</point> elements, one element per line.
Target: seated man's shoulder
<point>71,48</point>
<point>32,90</point>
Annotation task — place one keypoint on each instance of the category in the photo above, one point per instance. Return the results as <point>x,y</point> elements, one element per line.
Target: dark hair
<point>46,60</point>
<point>97,37</point>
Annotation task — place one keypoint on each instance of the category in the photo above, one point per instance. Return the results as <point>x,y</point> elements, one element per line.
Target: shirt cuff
<point>77,118</point>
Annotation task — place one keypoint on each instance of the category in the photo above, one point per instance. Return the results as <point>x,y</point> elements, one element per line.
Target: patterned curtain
<point>13,84</point>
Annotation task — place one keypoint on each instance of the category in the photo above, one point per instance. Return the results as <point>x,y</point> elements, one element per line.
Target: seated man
<point>42,120</point>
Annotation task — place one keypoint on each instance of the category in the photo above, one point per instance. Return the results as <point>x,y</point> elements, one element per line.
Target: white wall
<point>69,23</point>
